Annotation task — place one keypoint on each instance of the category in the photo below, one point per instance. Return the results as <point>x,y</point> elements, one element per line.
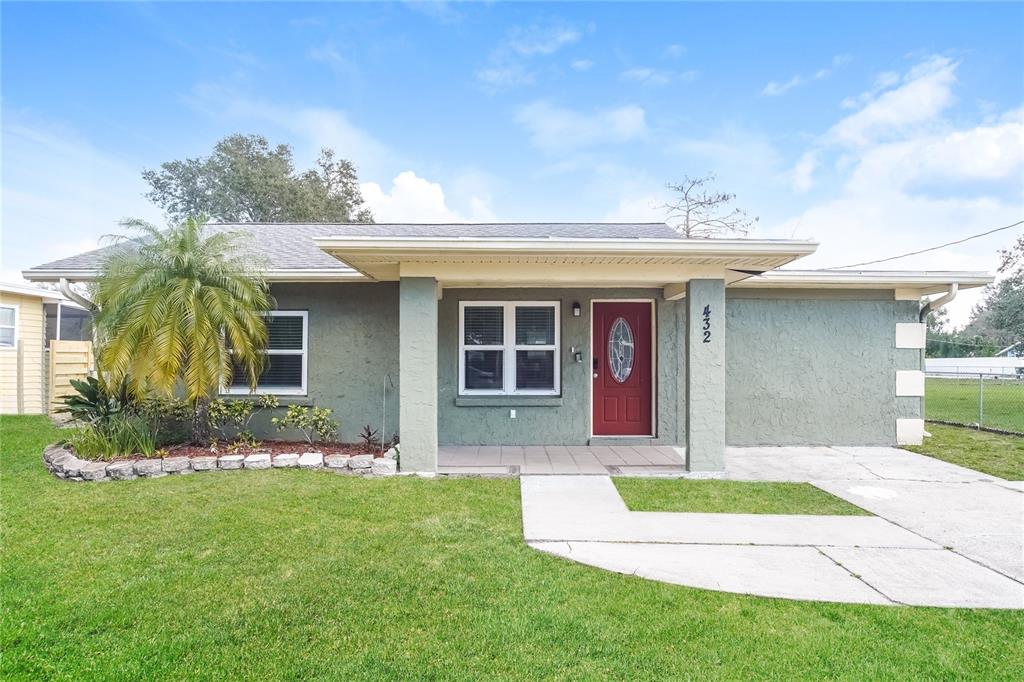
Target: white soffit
<point>923,283</point>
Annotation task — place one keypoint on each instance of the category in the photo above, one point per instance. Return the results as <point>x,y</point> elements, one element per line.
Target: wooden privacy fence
<point>68,360</point>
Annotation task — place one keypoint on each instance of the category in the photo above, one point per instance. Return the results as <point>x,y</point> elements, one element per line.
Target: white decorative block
<point>910,335</point>
<point>909,382</point>
<point>286,460</point>
<point>257,460</point>
<point>230,461</point>
<point>336,461</point>
<point>311,460</point>
<point>909,431</point>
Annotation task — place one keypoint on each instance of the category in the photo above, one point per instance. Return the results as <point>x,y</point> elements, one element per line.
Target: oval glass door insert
<point>620,350</point>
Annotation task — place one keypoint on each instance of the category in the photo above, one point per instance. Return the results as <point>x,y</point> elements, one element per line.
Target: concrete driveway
<point>942,535</point>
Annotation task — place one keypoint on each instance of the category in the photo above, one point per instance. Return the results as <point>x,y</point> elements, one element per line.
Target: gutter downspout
<point>65,288</point>
<point>928,307</point>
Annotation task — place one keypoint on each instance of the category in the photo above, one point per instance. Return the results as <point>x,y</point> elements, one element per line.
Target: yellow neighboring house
<point>30,318</point>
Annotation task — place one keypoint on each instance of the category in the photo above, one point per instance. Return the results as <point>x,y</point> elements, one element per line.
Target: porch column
<point>705,375</point>
<point>417,365</point>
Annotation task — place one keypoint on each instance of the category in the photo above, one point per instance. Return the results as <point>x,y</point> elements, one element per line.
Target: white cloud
<point>776,88</point>
<point>650,76</point>
<point>506,68</point>
<point>803,172</point>
<point>540,39</point>
<point>61,194</point>
<point>909,179</point>
<point>554,128</point>
<point>581,64</point>
<point>641,209</point>
<point>675,50</point>
<point>414,199</point>
<point>926,91</point>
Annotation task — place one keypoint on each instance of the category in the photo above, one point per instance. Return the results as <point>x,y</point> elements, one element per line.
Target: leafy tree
<point>1000,315</point>
<point>700,211</point>
<point>245,180</point>
<point>177,311</point>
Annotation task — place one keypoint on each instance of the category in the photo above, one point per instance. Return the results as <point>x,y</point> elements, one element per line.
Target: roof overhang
<point>469,262</point>
<point>907,284</point>
<point>339,274</point>
<point>34,292</point>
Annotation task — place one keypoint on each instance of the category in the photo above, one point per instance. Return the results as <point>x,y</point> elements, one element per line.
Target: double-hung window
<point>8,326</point>
<point>508,348</point>
<point>287,354</point>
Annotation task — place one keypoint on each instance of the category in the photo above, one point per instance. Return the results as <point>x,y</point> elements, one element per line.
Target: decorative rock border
<point>62,463</point>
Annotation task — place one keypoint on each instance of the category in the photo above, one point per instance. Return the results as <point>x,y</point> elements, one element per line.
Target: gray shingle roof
<point>287,246</point>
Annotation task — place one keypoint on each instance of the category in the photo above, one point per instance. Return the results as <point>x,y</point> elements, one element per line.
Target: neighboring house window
<point>287,346</point>
<point>8,325</point>
<point>508,348</point>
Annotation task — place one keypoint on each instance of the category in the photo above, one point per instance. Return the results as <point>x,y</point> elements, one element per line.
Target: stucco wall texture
<point>815,372</point>
<point>799,370</point>
<point>567,421</point>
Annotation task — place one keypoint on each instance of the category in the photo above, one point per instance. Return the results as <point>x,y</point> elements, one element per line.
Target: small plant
<point>235,416</point>
<point>93,403</point>
<point>243,441</point>
<point>314,423</point>
<point>120,436</point>
<point>370,438</point>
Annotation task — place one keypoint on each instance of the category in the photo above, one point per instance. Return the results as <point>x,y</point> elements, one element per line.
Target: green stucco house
<point>574,334</point>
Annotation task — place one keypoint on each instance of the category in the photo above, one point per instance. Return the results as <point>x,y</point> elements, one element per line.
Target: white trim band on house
<point>909,431</point>
<point>341,273</point>
<point>915,283</point>
<point>910,382</point>
<point>911,335</point>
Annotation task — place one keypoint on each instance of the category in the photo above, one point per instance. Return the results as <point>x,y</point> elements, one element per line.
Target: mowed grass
<point>989,453</point>
<point>730,497</point>
<point>959,400</point>
<point>292,574</point>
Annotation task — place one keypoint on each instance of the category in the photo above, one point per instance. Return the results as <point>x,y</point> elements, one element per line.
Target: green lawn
<point>958,401</point>
<point>736,497</point>
<point>293,574</point>
<point>990,453</point>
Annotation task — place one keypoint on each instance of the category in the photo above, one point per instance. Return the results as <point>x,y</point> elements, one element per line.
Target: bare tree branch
<point>698,211</point>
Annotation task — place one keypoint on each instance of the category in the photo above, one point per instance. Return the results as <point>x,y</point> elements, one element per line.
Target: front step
<point>622,440</point>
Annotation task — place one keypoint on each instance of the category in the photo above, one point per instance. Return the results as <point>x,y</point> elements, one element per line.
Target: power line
<point>931,248</point>
<point>962,343</point>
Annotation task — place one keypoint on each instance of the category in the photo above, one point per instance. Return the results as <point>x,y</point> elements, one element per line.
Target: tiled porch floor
<point>505,460</point>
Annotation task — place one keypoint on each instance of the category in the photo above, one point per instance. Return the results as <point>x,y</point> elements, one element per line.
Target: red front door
<point>622,369</point>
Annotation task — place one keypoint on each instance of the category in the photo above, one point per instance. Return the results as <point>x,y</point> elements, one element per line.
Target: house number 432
<point>707,324</point>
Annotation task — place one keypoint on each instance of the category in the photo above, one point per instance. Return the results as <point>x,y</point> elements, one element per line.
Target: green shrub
<point>231,418</point>
<point>314,423</point>
<point>94,403</point>
<point>120,436</point>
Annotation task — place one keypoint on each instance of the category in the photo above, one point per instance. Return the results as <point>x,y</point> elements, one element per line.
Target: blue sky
<point>875,129</point>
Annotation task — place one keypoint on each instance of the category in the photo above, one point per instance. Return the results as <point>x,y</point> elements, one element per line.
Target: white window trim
<point>15,308</point>
<point>509,347</point>
<point>244,390</point>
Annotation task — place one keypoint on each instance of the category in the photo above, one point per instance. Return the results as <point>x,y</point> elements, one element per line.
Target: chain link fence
<point>991,398</point>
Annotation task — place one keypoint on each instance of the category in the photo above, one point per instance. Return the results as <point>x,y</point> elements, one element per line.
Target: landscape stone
<point>336,461</point>
<point>391,453</point>
<point>149,467</point>
<point>53,451</point>
<point>94,471</point>
<point>175,464</point>
<point>258,460</point>
<point>121,471</point>
<point>57,462</point>
<point>230,461</point>
<point>360,462</point>
<point>205,463</point>
<point>311,460</point>
<point>286,460</point>
<point>73,467</point>
<point>384,466</point>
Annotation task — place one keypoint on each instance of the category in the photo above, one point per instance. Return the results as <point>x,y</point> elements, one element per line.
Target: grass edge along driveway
<point>990,453</point>
<point>730,497</point>
<point>304,574</point>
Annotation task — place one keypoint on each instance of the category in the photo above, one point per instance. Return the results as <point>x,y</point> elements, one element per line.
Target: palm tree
<point>179,309</point>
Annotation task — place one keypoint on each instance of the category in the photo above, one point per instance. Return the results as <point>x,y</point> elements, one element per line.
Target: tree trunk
<point>201,422</point>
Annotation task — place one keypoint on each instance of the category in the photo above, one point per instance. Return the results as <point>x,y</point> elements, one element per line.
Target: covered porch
<point>443,417</point>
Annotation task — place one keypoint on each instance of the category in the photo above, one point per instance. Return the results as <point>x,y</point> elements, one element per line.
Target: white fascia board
<point>875,279</point>
<point>658,247</point>
<point>29,290</point>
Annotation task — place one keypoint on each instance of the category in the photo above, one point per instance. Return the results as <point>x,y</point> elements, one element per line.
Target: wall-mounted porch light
<point>576,310</point>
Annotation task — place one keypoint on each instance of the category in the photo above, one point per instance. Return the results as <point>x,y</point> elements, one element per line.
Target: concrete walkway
<point>942,535</point>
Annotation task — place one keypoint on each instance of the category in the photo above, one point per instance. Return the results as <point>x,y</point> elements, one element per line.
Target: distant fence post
<point>981,400</point>
<point>68,360</point>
